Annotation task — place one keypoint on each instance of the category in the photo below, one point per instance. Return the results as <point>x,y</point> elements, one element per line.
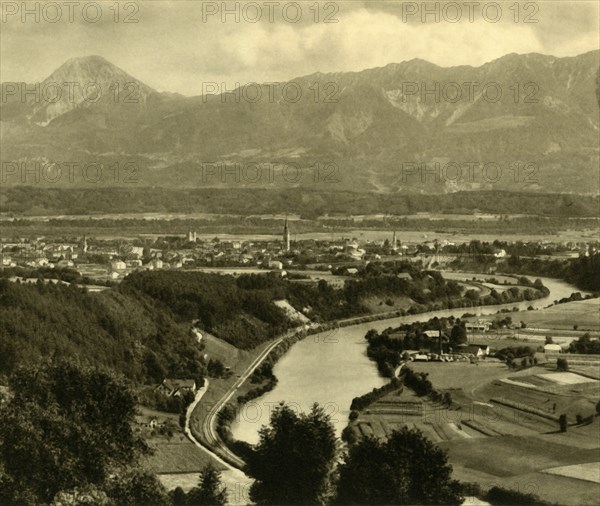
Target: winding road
<point>209,422</point>
<point>215,445</point>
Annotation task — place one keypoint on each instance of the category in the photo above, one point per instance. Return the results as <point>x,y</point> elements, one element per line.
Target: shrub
<point>562,420</point>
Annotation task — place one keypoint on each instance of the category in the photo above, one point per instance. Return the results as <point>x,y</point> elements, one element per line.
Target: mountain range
<point>364,130</point>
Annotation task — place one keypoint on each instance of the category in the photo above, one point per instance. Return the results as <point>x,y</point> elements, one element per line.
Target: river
<point>332,368</point>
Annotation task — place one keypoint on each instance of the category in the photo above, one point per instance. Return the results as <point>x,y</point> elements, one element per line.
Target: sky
<point>180,45</point>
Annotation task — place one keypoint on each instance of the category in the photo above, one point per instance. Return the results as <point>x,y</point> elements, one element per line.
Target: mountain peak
<point>93,80</point>
<point>93,69</point>
<point>92,58</point>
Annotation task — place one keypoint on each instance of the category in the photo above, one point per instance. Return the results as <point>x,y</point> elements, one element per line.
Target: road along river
<point>332,368</point>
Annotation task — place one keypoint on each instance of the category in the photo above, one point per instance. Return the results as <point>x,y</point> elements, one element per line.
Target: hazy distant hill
<point>368,123</point>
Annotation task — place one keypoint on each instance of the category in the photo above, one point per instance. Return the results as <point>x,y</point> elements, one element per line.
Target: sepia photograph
<point>299,252</point>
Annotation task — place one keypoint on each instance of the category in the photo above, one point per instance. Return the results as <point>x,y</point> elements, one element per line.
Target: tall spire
<point>286,235</point>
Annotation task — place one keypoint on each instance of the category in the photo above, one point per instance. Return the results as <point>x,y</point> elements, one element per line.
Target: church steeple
<point>286,235</point>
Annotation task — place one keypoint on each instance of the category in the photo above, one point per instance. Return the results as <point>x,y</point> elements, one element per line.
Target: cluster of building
<point>113,259</point>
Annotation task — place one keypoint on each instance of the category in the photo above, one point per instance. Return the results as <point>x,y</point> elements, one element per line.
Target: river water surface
<point>332,368</point>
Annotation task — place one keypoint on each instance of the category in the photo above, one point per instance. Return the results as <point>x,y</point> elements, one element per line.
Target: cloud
<point>171,48</point>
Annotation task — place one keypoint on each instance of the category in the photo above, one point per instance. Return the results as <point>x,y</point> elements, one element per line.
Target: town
<point>105,259</point>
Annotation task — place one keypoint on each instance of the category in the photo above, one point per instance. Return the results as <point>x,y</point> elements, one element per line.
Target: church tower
<point>286,236</point>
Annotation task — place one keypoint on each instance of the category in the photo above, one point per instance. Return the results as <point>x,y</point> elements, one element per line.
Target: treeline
<point>67,274</point>
<point>424,287</point>
<point>510,353</point>
<point>360,403</point>
<point>239,311</point>
<point>262,374</point>
<point>237,224</point>
<point>417,381</point>
<point>127,332</point>
<point>583,272</point>
<point>499,496</point>
<point>309,202</point>
<point>585,345</point>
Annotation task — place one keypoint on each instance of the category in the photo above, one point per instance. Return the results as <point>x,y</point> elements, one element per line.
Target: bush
<point>562,420</point>
<point>562,364</point>
<point>501,496</point>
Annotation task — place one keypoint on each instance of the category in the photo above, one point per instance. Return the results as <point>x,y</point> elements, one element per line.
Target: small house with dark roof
<point>176,387</point>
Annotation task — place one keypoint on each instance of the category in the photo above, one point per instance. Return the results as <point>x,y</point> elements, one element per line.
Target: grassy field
<point>178,456</point>
<point>500,433</point>
<point>522,463</point>
<point>221,350</point>
<point>584,313</point>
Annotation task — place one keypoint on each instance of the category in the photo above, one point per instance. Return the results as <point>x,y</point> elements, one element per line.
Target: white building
<point>552,348</point>
<point>118,265</point>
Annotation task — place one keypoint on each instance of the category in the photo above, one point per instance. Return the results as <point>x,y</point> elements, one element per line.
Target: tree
<point>210,491</point>
<point>178,496</point>
<point>294,459</point>
<point>66,428</point>
<point>549,340</point>
<point>562,364</point>
<point>458,334</point>
<point>562,421</point>
<point>447,399</point>
<point>137,487</point>
<point>407,469</point>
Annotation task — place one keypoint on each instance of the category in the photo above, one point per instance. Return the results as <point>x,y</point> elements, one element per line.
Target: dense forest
<point>129,333</point>
<point>241,310</point>
<point>142,327</point>
<point>308,203</point>
<point>583,272</point>
<point>243,225</point>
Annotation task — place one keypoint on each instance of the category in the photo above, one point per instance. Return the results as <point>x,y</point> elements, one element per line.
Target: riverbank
<point>332,368</point>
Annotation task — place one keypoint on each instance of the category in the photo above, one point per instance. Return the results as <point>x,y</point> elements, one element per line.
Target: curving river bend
<point>332,368</point>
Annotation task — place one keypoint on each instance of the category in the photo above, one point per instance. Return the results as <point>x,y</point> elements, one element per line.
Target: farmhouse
<point>478,326</point>
<point>176,387</point>
<point>479,350</point>
<point>118,265</point>
<point>485,348</point>
<point>552,348</point>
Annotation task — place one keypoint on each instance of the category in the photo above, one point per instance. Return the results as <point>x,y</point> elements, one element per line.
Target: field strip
<point>566,378</point>
<point>518,383</point>
<point>462,433</point>
<point>585,472</point>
